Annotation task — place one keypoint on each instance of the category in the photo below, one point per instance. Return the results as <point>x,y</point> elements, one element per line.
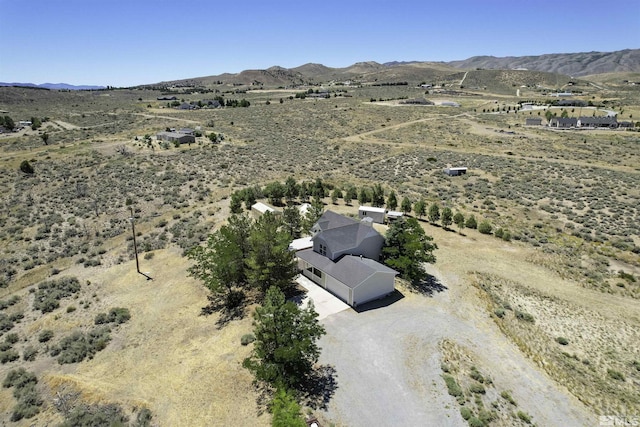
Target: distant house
<point>533,121</point>
<point>187,106</point>
<point>597,122</point>
<point>24,123</point>
<point>343,260</point>
<point>563,122</point>
<point>625,124</point>
<point>166,98</point>
<point>211,103</point>
<point>376,214</point>
<point>416,101</point>
<point>455,171</point>
<point>258,209</point>
<point>176,136</point>
<point>187,131</point>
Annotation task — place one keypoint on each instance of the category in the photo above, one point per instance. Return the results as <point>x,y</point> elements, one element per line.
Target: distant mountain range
<point>567,64</point>
<point>54,86</point>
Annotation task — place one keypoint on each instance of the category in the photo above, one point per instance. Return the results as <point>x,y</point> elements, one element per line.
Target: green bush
<point>29,353</point>
<point>28,400</point>
<point>465,412</point>
<point>48,294</point>
<point>98,415</point>
<point>76,347</point>
<point>8,356</point>
<point>45,335</point>
<point>524,417</point>
<point>247,339</point>
<point>12,338</point>
<point>521,315</point>
<point>452,386</point>
<point>476,422</point>
<point>484,227</point>
<point>507,396</point>
<point>285,410</point>
<point>471,222</point>
<point>476,375</point>
<point>477,388</point>
<point>26,167</point>
<point>116,315</point>
<point>616,375</point>
<point>562,340</point>
<point>499,312</point>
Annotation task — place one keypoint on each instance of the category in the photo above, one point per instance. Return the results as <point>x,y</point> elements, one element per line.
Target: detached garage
<point>354,279</point>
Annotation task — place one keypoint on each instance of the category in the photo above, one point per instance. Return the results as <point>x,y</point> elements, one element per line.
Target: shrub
<point>6,324</point>
<point>149,255</point>
<point>76,347</point>
<point>524,417</point>
<point>8,356</point>
<point>29,353</point>
<point>465,412</point>
<point>25,392</point>
<point>98,415</point>
<point>116,315</point>
<point>521,315</point>
<point>471,222</point>
<point>636,364</point>
<point>247,339</point>
<point>499,312</point>
<point>12,338</point>
<point>49,293</point>
<point>562,340</point>
<point>26,167</point>
<point>484,227</point>
<point>476,375</point>
<point>507,396</point>
<point>616,375</point>
<point>477,388</point>
<point>452,386</point>
<point>45,335</point>
<point>475,422</point>
<point>499,233</point>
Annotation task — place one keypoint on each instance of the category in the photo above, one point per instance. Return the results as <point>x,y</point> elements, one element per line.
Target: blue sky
<point>126,43</point>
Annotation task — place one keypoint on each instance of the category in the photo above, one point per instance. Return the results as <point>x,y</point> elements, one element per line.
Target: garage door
<point>337,288</point>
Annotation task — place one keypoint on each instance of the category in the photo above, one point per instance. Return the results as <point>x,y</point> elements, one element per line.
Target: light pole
<point>135,245</point>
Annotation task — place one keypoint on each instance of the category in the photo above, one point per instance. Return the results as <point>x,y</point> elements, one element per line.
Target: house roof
<point>301,243</point>
<point>347,237</point>
<point>171,134</point>
<point>371,209</point>
<point>350,270</point>
<point>330,219</point>
<point>263,207</point>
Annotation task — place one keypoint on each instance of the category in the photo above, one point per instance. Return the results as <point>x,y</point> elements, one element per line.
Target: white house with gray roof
<point>343,260</point>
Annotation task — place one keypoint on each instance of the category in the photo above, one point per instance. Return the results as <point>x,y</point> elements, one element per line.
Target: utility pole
<point>135,245</point>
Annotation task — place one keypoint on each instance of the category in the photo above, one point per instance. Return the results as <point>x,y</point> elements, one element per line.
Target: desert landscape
<point>530,317</point>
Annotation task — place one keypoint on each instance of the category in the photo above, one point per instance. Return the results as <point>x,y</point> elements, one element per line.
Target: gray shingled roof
<point>347,236</point>
<point>350,270</point>
<point>330,219</point>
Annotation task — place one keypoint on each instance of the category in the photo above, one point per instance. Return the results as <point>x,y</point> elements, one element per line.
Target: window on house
<point>323,250</point>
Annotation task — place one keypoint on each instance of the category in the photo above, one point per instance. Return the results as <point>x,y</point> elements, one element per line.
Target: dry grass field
<point>568,198</point>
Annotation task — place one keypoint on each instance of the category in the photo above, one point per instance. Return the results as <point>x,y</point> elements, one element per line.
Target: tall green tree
<point>275,191</point>
<point>313,214</point>
<point>235,204</point>
<point>286,411</point>
<point>392,201</point>
<point>220,263</point>
<point>447,217</point>
<point>458,219</point>
<point>350,194</point>
<point>471,222</point>
<point>335,195</point>
<point>406,205</point>
<point>407,247</point>
<point>269,261</point>
<point>434,213</point>
<point>285,348</point>
<point>420,208</point>
<point>291,189</point>
<point>363,196</point>
<point>45,138</point>
<point>292,221</point>
<point>377,198</point>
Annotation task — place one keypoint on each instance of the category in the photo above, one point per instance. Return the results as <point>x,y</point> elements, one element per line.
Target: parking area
<point>325,303</point>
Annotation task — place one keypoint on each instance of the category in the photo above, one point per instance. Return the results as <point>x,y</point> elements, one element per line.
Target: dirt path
<point>155,116</point>
<point>359,136</point>
<point>66,125</point>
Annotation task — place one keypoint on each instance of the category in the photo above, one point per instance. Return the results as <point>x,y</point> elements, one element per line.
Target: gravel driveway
<point>388,372</point>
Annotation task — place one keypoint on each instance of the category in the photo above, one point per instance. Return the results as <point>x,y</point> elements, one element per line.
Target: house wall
<point>370,247</point>
<point>376,286</point>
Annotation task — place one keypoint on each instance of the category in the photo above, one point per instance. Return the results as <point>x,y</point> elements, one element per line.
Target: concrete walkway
<point>325,302</point>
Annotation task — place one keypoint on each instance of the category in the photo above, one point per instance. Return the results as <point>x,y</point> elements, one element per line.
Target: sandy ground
<point>168,357</point>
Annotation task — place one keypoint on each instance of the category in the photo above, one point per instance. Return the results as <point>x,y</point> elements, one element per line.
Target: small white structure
<point>301,244</point>
<point>304,208</point>
<point>455,171</point>
<point>394,215</point>
<point>376,214</point>
<point>259,209</point>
